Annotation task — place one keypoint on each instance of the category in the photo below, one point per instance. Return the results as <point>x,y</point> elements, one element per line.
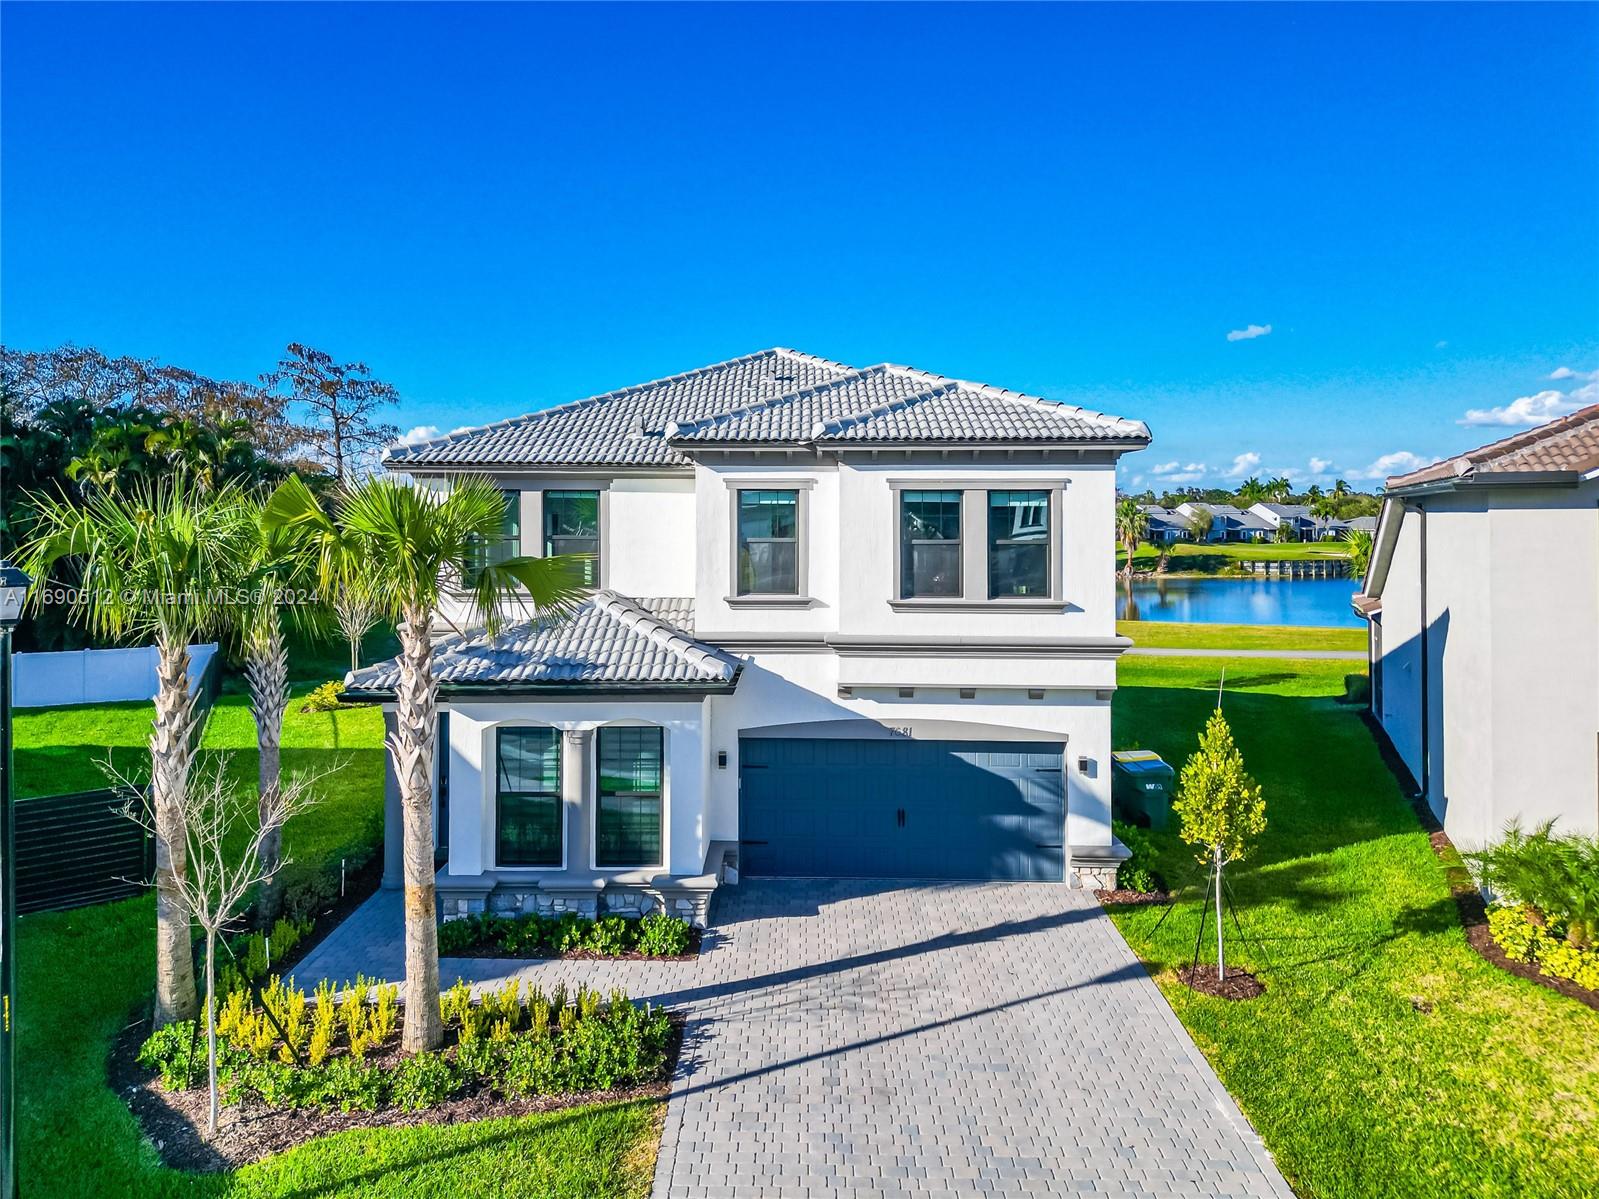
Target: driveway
<point>875,1039</point>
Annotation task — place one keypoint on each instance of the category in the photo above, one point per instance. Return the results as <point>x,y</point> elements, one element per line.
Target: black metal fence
<point>78,849</point>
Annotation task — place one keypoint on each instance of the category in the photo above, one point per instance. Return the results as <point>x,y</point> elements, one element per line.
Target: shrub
<point>1521,932</point>
<point>610,936</point>
<point>423,1081</point>
<point>325,697</point>
<point>1137,872</point>
<point>533,935</point>
<point>1557,875</point>
<point>663,936</point>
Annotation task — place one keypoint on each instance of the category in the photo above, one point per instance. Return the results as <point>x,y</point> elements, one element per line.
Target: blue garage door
<point>822,808</point>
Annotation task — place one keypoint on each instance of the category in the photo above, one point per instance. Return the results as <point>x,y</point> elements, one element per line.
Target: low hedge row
<point>534,936</point>
<point>1525,936</point>
<point>544,1045</point>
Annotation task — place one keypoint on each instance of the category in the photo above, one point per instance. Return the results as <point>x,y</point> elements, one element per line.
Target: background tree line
<point>76,424</point>
<point>1338,502</point>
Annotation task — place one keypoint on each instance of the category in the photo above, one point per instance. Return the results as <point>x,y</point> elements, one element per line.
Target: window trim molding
<point>975,582</point>
<point>592,799</point>
<point>492,776</point>
<point>801,596</point>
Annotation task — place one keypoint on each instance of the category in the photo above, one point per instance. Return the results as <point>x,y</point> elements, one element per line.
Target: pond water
<point>1240,601</point>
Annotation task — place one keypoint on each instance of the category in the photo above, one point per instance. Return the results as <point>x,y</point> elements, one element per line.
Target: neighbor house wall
<point>1401,646</point>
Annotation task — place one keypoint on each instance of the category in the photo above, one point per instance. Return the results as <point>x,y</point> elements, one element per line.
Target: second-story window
<point>485,551</point>
<point>930,544</point>
<point>572,526</point>
<point>768,542</point>
<point>1018,543</point>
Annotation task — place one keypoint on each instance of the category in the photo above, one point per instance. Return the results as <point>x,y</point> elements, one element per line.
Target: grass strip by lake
<point>1161,634</point>
<point>1386,1060</point>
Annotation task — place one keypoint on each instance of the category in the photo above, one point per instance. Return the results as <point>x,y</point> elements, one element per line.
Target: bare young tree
<point>356,610</point>
<point>343,399</point>
<point>226,859</point>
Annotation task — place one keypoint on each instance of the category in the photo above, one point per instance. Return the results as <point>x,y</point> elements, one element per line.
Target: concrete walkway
<point>1327,655</point>
<point>876,1039</point>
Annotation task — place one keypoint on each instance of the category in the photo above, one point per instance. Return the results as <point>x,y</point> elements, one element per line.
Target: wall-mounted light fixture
<point>721,759</point>
<point>1085,766</point>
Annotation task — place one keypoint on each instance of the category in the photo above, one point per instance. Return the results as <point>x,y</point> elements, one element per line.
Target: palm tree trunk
<point>267,672</point>
<point>171,752</point>
<point>411,745</point>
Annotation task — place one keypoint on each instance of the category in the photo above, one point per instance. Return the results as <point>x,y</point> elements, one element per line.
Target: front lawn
<point>82,972</point>
<point>1385,1058</point>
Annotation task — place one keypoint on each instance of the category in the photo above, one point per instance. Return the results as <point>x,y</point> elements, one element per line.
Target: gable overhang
<point>1485,478</point>
<point>491,692</point>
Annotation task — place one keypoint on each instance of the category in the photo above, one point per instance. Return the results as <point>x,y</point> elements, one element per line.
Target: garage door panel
<point>901,808</point>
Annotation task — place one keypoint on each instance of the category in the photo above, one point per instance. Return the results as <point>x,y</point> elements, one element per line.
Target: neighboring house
<point>1165,525</point>
<point>1483,603</point>
<point>1229,523</point>
<point>847,623</point>
<point>1355,524</point>
<point>1305,524</point>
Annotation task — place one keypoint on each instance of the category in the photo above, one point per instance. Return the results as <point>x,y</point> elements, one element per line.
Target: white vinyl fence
<point>92,676</point>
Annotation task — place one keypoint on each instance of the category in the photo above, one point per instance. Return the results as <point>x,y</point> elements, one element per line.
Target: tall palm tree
<point>412,545</point>
<point>1340,489</point>
<point>1132,526</point>
<point>1279,489</point>
<point>160,559</point>
<point>1252,491</point>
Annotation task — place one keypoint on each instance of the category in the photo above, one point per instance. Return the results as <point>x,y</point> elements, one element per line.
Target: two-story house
<point>846,623</point>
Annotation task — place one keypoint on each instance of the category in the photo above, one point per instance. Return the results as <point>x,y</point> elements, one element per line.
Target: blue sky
<point>504,207</point>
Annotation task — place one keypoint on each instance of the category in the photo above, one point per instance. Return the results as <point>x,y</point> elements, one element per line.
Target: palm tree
<point>1279,489</point>
<point>1359,542</point>
<point>1325,509</point>
<point>1341,490</point>
<point>411,544</point>
<point>163,560</point>
<point>1132,526</point>
<point>1252,491</point>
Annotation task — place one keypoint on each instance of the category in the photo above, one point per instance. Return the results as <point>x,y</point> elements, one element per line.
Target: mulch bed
<point>1469,903</point>
<point>174,1121</point>
<point>1132,899</point>
<point>1239,984</point>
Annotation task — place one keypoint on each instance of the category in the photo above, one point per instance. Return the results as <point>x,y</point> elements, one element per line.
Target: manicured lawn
<point>1176,635</point>
<point>82,972</point>
<point>1189,557</point>
<point>1386,1058</point>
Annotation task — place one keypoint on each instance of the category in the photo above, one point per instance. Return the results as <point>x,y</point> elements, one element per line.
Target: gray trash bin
<point>1141,787</point>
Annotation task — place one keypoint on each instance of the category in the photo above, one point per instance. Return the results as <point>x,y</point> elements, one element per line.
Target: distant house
<point>1355,524</point>
<point>1305,525</point>
<point>1165,525</point>
<point>1483,604</point>
<point>1228,523</point>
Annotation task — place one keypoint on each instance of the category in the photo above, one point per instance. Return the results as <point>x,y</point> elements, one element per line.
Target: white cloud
<point>417,434</point>
<point>1541,406</point>
<point>1248,333</point>
<point>1243,465</point>
<point>1440,345</point>
<point>1398,463</point>
<point>1320,466</point>
<point>1165,468</point>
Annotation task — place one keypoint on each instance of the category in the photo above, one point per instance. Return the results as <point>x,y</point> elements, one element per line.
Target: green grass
<point>82,972</point>
<point>1386,1058</point>
<point>1188,557</point>
<point>1176,635</point>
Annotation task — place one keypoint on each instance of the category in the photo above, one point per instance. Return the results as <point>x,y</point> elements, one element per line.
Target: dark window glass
<point>1018,543</point>
<point>627,826</point>
<point>929,543</point>
<point>528,797</point>
<point>768,543</point>
<point>572,526</point>
<point>506,544</point>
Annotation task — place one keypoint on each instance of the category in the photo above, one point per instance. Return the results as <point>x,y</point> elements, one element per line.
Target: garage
<point>901,808</point>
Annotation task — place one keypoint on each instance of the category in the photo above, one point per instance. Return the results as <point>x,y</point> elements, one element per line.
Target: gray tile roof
<point>777,395</point>
<point>609,640</point>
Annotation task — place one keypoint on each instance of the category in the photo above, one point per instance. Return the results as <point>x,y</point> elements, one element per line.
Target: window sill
<point>1011,604</point>
<point>771,601</point>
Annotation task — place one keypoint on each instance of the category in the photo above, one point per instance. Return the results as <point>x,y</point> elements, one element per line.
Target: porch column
<point>576,787</point>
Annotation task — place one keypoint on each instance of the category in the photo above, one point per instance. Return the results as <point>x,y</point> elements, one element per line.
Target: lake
<point>1241,601</point>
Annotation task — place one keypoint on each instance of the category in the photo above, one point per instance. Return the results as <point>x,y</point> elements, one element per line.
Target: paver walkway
<point>876,1039</point>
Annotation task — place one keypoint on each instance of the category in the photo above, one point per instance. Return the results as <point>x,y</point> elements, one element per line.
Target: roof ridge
<point>399,453</point>
<point>630,614</point>
<point>837,424</point>
<point>856,373</point>
<point>1469,459</point>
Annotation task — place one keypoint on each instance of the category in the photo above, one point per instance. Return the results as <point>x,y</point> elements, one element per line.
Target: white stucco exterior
<point>1486,654</point>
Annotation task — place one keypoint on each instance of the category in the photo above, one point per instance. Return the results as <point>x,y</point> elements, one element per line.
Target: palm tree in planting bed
<point>163,559</point>
<point>412,546</point>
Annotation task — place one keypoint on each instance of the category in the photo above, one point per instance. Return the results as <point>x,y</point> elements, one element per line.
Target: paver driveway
<point>850,1038</point>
